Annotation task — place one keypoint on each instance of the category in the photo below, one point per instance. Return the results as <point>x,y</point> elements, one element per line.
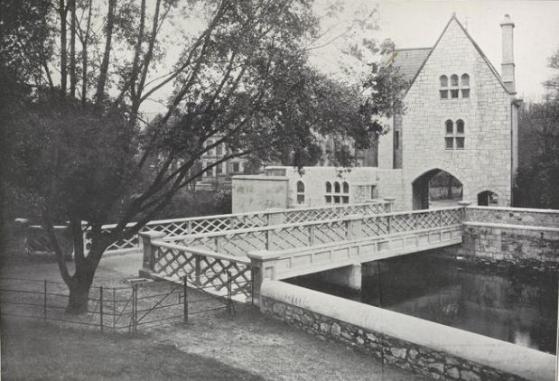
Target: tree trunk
<point>102,79</point>
<point>79,296</point>
<point>81,281</point>
<point>79,290</point>
<point>62,10</point>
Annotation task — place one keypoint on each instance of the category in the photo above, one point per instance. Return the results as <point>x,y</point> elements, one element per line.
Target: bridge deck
<point>295,262</point>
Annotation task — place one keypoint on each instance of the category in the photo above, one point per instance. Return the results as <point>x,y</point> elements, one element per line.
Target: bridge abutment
<point>348,277</point>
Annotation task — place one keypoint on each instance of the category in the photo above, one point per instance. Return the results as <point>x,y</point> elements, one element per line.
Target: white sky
<point>418,23</point>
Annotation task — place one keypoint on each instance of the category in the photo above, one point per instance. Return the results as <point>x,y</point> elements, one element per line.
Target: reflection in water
<point>508,304</point>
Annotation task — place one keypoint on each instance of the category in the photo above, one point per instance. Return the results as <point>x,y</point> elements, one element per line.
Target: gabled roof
<point>491,67</point>
<point>409,61</point>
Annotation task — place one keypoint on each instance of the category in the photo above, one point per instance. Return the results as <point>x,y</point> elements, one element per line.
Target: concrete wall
<point>255,193</point>
<point>424,347</point>
<point>264,191</point>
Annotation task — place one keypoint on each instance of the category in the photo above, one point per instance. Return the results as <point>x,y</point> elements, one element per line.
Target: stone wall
<point>514,216</point>
<point>434,364</point>
<point>521,237</point>
<point>531,247</point>
<point>335,318</point>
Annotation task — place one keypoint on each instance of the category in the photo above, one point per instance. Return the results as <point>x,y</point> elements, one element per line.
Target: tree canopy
<point>80,146</point>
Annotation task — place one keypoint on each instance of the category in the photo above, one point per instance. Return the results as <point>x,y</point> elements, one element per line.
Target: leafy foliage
<point>538,179</point>
<point>80,148</point>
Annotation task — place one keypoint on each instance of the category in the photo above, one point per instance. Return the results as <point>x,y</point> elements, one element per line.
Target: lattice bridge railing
<point>229,222</point>
<point>238,243</point>
<point>217,274</point>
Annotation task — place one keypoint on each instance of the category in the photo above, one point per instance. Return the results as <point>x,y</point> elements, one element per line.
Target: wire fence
<point>138,304</point>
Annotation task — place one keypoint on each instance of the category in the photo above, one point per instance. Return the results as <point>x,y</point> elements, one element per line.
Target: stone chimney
<point>507,63</point>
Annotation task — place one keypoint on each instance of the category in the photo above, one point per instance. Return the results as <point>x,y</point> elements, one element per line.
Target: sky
<point>419,23</point>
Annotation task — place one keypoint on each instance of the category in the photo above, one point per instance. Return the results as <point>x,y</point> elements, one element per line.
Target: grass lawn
<point>37,351</point>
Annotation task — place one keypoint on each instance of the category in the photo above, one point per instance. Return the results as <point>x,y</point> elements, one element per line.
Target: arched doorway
<point>487,198</point>
<point>436,188</point>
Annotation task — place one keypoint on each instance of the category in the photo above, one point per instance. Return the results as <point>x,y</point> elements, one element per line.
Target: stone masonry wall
<point>514,216</point>
<point>520,237</point>
<point>400,353</point>
<point>530,248</point>
<point>485,161</point>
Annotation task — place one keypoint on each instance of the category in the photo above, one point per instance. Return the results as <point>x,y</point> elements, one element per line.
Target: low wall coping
<point>260,178</point>
<point>511,226</point>
<point>514,210</point>
<point>522,361</point>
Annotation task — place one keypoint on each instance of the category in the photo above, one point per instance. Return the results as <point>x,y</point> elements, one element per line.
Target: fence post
<point>185,300</point>
<point>134,307</point>
<point>311,234</point>
<point>101,307</point>
<point>230,307</point>
<point>268,236</point>
<point>114,309</point>
<point>45,300</point>
<point>217,244</point>
<point>197,269</point>
<point>148,263</point>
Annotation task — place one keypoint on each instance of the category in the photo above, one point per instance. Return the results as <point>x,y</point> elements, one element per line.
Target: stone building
<point>219,176</point>
<point>460,119</point>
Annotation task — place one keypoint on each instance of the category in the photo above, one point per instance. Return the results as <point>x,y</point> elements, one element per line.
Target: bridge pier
<point>348,277</point>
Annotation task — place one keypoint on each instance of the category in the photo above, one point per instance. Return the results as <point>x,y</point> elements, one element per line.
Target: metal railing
<point>113,309</point>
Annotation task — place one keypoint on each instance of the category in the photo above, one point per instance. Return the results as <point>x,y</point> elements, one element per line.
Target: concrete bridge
<point>235,257</point>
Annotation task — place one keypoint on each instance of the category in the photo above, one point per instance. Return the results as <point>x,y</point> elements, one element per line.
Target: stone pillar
<point>348,277</point>
<point>262,268</point>
<point>465,205</point>
<point>390,204</point>
<point>354,227</point>
<point>274,217</point>
<point>148,261</point>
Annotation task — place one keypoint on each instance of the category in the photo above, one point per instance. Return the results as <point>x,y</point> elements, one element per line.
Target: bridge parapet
<point>239,242</point>
<point>227,222</point>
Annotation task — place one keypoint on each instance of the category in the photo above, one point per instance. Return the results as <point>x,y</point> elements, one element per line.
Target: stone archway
<point>487,198</point>
<point>436,187</point>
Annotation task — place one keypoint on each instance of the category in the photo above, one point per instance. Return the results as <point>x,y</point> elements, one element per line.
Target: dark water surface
<point>509,304</point>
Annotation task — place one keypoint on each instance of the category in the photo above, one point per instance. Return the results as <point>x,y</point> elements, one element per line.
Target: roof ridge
<point>476,46</point>
<point>400,49</point>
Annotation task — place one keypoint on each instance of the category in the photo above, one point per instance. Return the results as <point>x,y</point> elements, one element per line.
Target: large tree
<point>78,144</point>
<point>538,173</point>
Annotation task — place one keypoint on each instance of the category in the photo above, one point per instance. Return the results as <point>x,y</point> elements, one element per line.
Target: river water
<point>509,304</point>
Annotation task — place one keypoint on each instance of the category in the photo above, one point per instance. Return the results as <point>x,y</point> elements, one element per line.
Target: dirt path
<point>248,342</point>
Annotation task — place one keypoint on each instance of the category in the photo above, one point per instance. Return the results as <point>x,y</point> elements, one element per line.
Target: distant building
<point>460,120</point>
<point>219,176</point>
